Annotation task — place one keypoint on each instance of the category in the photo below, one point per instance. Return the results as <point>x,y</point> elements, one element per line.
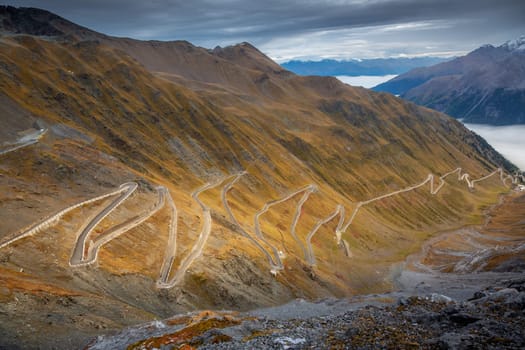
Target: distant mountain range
<point>486,86</point>
<point>376,66</point>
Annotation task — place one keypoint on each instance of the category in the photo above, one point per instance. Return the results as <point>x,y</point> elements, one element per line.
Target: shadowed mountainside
<point>486,86</point>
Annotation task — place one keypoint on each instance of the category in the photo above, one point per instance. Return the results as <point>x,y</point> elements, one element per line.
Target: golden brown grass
<point>285,131</point>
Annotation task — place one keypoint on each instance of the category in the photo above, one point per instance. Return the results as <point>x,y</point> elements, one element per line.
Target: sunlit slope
<point>112,119</point>
<point>352,143</point>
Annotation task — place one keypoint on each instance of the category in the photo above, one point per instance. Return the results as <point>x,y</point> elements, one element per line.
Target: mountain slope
<point>485,86</point>
<point>249,158</point>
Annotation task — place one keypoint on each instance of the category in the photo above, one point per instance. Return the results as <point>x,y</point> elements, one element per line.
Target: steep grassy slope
<point>113,115</point>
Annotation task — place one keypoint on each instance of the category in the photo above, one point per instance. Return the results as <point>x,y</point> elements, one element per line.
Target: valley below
<point>431,306</point>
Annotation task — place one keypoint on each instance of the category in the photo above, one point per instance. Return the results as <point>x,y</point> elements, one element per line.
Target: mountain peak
<point>28,20</point>
<point>248,56</point>
<point>515,45</point>
<point>484,86</point>
<point>38,22</point>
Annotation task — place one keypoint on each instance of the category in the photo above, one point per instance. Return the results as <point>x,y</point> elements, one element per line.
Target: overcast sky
<point>306,29</point>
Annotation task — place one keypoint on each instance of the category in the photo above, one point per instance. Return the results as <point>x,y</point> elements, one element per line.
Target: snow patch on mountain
<point>515,45</point>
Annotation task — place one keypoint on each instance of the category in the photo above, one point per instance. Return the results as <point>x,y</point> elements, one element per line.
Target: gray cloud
<point>306,29</point>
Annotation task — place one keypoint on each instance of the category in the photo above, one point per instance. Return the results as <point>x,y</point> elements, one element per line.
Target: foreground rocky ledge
<point>492,318</point>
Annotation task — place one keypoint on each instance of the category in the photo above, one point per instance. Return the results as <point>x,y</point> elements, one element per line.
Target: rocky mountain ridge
<point>486,86</point>
<point>516,44</point>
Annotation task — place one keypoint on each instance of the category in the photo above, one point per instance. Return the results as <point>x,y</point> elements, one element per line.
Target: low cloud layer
<point>307,29</point>
<point>366,81</point>
<point>507,140</point>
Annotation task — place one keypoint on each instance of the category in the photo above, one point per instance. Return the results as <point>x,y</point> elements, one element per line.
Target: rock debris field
<point>491,318</point>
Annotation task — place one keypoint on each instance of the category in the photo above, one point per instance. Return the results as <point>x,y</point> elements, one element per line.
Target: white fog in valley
<point>366,81</point>
<point>507,140</point>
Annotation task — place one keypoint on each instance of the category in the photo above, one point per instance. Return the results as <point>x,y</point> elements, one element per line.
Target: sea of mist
<point>366,81</point>
<point>507,140</point>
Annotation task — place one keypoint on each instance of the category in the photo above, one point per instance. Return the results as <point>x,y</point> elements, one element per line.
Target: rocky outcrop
<point>492,318</point>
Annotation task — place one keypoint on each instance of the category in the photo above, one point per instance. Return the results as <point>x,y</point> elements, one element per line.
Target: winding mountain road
<point>171,248</point>
<point>197,248</point>
<point>430,178</point>
<point>79,257</point>
<point>310,256</point>
<point>298,212</point>
<point>502,177</point>
<point>225,191</point>
<point>80,245</point>
<point>118,230</point>
<point>55,218</point>
<point>277,263</point>
<point>342,228</point>
<point>275,260</point>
